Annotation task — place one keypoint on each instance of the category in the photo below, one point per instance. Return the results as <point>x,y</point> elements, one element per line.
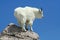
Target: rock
<point>14,32</point>
<point>12,28</point>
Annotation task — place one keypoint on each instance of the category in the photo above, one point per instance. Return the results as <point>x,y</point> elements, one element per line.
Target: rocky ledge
<point>13,32</point>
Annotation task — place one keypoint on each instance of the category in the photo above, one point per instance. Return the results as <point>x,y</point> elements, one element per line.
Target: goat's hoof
<point>31,30</point>
<point>24,30</point>
<point>27,29</point>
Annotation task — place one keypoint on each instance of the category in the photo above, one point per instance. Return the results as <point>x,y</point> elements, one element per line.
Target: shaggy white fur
<point>26,15</point>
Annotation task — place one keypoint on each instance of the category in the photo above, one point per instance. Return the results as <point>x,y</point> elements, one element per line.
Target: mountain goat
<point>26,16</point>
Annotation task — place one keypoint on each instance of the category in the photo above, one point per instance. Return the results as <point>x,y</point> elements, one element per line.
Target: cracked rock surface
<point>13,32</point>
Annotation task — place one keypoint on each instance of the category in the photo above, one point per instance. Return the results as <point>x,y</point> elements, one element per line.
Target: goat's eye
<point>39,11</point>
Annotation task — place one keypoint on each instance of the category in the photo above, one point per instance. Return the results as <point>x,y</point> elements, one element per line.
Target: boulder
<point>14,32</point>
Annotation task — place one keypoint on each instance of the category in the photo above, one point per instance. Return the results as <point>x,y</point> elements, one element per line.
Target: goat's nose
<point>42,16</point>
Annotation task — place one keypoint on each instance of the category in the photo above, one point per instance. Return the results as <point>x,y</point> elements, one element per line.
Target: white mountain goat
<point>26,16</point>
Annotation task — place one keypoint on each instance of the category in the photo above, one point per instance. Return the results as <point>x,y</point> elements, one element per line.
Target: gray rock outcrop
<point>13,32</point>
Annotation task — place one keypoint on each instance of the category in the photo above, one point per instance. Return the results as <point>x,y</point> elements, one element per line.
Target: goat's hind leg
<point>22,25</point>
<point>31,23</point>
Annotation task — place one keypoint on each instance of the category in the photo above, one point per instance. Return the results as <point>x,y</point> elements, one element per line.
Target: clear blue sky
<point>48,27</point>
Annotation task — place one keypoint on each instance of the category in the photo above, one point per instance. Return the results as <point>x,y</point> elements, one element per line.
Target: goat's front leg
<point>26,26</point>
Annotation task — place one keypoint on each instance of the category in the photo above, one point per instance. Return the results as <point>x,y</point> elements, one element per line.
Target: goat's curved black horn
<point>41,9</point>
